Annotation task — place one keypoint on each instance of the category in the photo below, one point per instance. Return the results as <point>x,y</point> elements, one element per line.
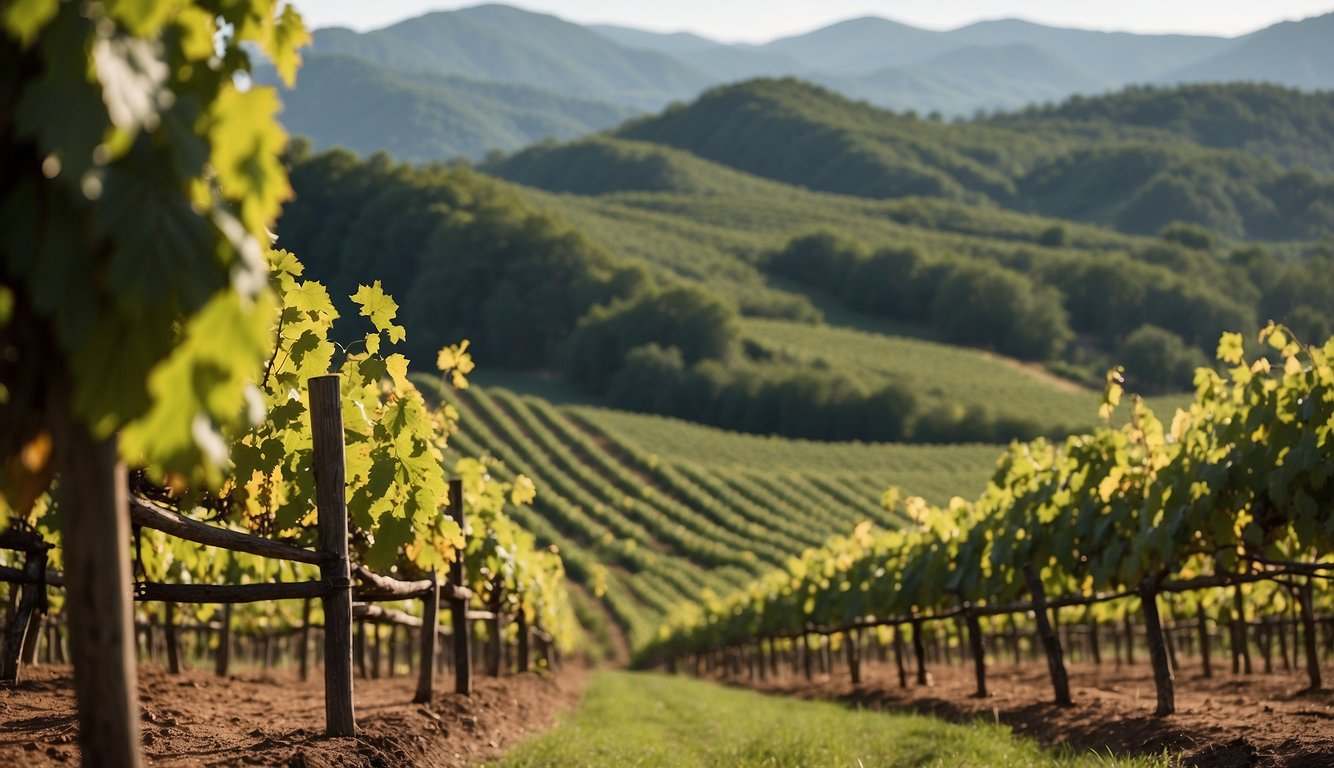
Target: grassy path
<point>650,720</point>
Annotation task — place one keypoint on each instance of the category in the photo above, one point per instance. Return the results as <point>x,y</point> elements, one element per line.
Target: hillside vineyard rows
<point>499,350</point>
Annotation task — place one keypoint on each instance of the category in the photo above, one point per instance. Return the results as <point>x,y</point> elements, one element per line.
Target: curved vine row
<point>1232,491</point>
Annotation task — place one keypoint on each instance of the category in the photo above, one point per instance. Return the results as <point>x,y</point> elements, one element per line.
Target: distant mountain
<point>861,46</point>
<point>583,79</point>
<point>348,102</point>
<point>1294,53</point>
<point>502,44</point>
<point>723,62</point>
<point>1111,58</point>
<point>974,78</point>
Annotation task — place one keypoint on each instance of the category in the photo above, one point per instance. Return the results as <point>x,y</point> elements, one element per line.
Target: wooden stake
<point>1162,666</point>
<point>458,607</point>
<point>326,417</point>
<point>430,622</point>
<point>95,516</point>
<point>1060,681</point>
<point>173,647</point>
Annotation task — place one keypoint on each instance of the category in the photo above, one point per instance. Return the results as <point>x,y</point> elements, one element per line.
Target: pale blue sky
<point>762,20</point>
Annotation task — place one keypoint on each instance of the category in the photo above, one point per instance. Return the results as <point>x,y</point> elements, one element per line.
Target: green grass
<point>937,373</point>
<point>629,719</point>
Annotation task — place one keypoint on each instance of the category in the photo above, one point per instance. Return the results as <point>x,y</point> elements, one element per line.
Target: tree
<point>139,182</point>
<point>1157,360</point>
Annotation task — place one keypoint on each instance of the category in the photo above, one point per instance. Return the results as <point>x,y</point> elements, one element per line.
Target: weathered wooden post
<point>326,419</point>
<point>521,624</point>
<point>1060,681</point>
<point>852,652</point>
<point>222,661</point>
<point>458,605</point>
<point>1153,633</point>
<point>978,647</point>
<point>1305,594</point>
<point>430,624</point>
<point>25,622</point>
<point>173,642</point>
<point>898,656</point>
<point>303,650</point>
<point>1202,626</point>
<point>919,651</point>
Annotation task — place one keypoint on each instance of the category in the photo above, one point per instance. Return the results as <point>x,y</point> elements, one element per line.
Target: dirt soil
<point>1254,721</point>
<point>198,719</point>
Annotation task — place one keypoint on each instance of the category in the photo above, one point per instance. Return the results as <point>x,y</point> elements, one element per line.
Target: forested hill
<point>1137,175</point>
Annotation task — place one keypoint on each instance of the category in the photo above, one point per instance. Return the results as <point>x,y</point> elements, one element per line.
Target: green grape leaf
<point>24,19</point>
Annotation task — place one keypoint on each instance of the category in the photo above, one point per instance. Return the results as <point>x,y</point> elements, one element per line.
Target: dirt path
<point>197,719</point>
<point>1255,721</point>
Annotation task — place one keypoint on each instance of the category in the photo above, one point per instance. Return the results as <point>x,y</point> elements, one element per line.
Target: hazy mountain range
<point>495,77</point>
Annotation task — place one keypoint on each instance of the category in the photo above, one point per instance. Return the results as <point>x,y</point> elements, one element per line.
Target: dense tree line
<point>1157,310</point>
<point>969,301</point>
<point>809,402</point>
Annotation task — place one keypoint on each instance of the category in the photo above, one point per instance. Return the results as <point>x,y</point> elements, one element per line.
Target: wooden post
<point>975,641</point>
<point>376,657</point>
<point>430,622</point>
<point>1308,633</point>
<point>1241,646</point>
<point>95,519</point>
<point>1060,681</point>
<point>458,607</point>
<point>303,649</point>
<point>173,645</point>
<point>1202,626</point>
<point>222,661</point>
<point>521,621</point>
<point>1095,647</point>
<point>1129,623</point>
<point>853,655</point>
<point>1162,667</point>
<point>493,630</point>
<point>919,651</point>
<point>326,420</point>
<point>23,626</point>
<point>898,656</point>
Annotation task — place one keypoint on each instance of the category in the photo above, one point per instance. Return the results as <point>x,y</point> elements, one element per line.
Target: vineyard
<point>1220,516</point>
<point>282,484</point>
<point>637,504</point>
<point>238,525</point>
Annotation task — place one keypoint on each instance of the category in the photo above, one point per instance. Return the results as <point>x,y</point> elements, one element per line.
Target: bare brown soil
<point>197,719</point>
<point>1250,721</point>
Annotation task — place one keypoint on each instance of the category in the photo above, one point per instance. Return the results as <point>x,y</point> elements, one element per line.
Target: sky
<point>763,20</point>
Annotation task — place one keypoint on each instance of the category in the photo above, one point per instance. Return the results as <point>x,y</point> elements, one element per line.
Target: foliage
<point>1237,479</point>
<point>137,164</point>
